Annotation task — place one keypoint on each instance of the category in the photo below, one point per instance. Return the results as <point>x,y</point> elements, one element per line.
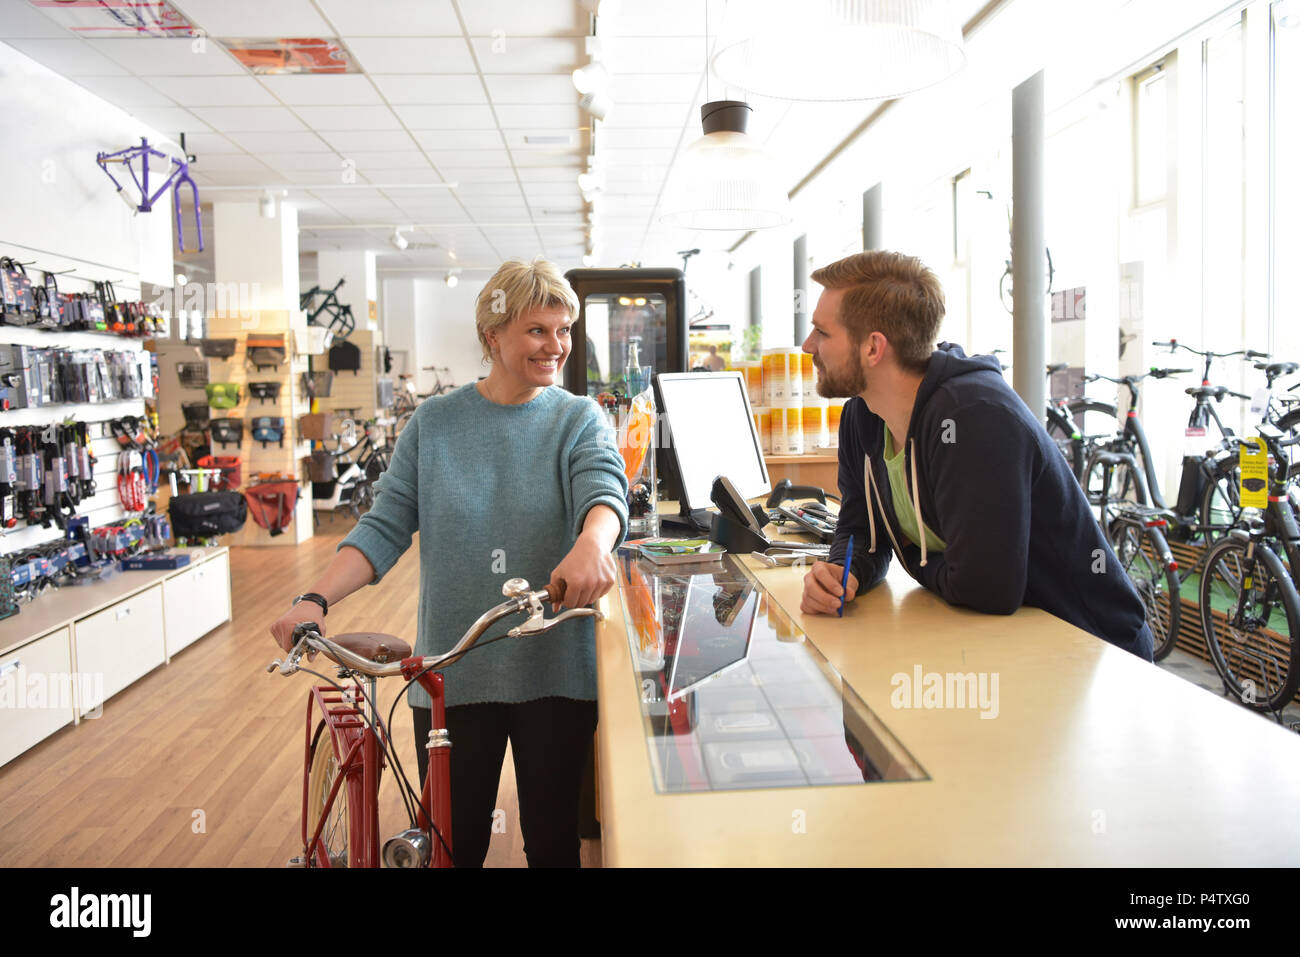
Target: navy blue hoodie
<point>996,489</point>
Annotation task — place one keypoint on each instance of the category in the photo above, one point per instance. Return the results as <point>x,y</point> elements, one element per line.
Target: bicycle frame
<point>361,768</point>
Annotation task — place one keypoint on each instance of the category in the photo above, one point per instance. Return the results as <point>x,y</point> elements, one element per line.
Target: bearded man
<point>943,465</point>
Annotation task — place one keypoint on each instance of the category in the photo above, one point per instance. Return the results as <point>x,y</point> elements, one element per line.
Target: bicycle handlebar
<point>307,636</point>
<point>1174,344</point>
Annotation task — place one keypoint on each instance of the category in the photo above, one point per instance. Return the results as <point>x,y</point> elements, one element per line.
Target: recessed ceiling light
<point>535,139</point>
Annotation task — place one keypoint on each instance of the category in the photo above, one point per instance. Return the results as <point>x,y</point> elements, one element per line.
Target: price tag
<point>1194,440</point>
<point>1259,401</point>
<point>1254,474</point>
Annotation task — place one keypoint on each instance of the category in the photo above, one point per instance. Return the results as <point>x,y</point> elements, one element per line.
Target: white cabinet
<point>37,693</point>
<point>196,601</point>
<point>121,644</point>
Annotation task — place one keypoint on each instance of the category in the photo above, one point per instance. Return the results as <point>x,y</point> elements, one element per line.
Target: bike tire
<point>1124,488</point>
<point>1140,552</point>
<point>1071,448</point>
<point>1220,507</point>
<point>1097,422</point>
<point>1259,663</point>
<point>334,836</point>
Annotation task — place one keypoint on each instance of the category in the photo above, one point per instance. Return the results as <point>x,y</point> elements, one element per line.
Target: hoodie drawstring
<point>871,513</point>
<point>916,505</point>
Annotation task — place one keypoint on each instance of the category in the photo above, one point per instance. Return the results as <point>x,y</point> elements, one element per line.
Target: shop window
<point>1285,59</point>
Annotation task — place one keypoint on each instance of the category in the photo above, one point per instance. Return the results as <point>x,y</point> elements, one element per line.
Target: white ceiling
<point>447,93</point>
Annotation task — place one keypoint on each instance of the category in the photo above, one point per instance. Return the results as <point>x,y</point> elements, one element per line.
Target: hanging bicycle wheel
<point>1140,552</point>
<point>1250,613</point>
<point>334,835</point>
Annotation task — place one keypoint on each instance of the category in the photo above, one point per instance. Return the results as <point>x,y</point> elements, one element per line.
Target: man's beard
<point>842,385</point>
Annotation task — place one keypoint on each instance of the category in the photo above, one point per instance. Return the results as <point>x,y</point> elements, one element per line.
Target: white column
<point>258,255</point>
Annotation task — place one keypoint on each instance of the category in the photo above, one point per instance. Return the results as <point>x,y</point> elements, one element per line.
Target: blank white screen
<point>712,432</point>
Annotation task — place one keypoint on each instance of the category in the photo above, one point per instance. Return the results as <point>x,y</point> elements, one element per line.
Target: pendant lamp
<point>835,50</point>
<point>724,180</point>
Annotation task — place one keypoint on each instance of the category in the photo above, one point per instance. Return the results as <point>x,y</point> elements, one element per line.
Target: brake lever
<point>536,623</point>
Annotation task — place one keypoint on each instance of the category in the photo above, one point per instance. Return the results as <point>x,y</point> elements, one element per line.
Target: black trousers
<point>550,739</point>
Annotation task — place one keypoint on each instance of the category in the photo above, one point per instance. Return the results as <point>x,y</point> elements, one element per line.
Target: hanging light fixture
<point>724,180</point>
<point>834,50</point>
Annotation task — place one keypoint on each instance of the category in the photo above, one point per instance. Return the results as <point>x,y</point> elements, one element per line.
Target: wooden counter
<point>1094,757</point>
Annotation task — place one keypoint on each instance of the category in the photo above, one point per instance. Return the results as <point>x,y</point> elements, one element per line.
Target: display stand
<point>291,403</point>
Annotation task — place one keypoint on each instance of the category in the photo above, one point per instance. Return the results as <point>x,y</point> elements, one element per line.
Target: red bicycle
<point>348,744</point>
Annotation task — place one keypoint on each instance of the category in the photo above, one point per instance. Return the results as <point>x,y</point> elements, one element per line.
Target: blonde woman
<point>508,477</point>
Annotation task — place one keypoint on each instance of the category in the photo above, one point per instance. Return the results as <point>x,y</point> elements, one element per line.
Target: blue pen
<point>844,584</point>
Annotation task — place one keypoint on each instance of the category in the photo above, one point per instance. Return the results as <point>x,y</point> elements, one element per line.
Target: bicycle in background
<point>1250,610</point>
<point>349,744</point>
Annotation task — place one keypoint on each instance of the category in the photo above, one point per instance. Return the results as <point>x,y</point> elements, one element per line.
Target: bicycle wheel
<point>334,835</point>
<point>1071,448</point>
<point>1109,487</point>
<point>1250,616</point>
<point>1141,554</point>
<point>1097,422</point>
<point>1221,507</point>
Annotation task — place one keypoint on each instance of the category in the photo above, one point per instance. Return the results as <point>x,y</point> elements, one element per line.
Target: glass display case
<point>732,693</point>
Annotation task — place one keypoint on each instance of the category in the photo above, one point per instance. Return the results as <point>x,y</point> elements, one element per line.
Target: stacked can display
<point>783,385</point>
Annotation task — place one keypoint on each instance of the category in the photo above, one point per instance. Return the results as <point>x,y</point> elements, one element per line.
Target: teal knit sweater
<point>496,492</point>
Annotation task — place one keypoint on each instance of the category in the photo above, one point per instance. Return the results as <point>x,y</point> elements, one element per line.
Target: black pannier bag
<point>207,514</point>
<point>227,431</point>
<point>197,415</point>
<point>265,351</point>
<point>344,357</point>
<point>264,391</point>
<point>218,348</point>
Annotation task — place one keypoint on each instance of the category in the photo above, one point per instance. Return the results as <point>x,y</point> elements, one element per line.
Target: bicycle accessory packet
<point>193,375</point>
<point>197,415</point>
<point>223,395</point>
<point>17,304</point>
<point>268,429</point>
<point>227,431</point>
<point>265,351</point>
<point>271,504</point>
<point>264,391</point>
<point>218,348</point>
<point>206,514</point>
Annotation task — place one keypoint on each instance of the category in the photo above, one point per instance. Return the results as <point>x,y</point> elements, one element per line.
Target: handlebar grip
<point>303,628</point>
<point>555,592</point>
<point>1252,354</point>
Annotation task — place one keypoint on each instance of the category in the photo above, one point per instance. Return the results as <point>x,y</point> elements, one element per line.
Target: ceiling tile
<point>204,144</point>
<point>553,88</point>
<point>170,57</point>
<point>459,139</point>
<point>401,18</point>
<point>339,89</point>
<point>408,176</point>
<point>69,57</point>
<point>470,174</point>
<point>569,190</point>
<point>428,90</point>
<point>20,20</point>
<point>327,118</point>
<point>654,54</point>
<point>537,18</point>
<point>470,191</point>
<point>171,120</point>
<point>250,119</point>
<point>545,139</point>
<point>664,17</point>
<point>543,116</point>
<point>250,19</point>
<point>447,117</point>
<point>564,159</point>
<point>232,162</point>
<point>479,159</point>
<point>546,174</point>
<point>281,142</point>
<point>482,201</point>
<point>381,160</point>
<point>650,116</point>
<point>303,161</point>
<point>665,137</point>
<point>379,55</point>
<point>654,87</point>
<point>127,91</point>
<point>510,54</point>
<point>499,214</point>
<point>239,178</point>
<point>378,140</point>
<point>213,90</point>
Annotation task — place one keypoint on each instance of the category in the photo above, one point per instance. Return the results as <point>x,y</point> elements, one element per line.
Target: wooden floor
<point>199,763</point>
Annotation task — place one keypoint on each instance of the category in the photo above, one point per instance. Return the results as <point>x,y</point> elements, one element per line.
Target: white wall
<point>434,325</point>
<point>59,208</point>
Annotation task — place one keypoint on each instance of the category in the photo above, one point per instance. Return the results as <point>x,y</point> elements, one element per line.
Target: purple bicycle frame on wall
<point>180,174</point>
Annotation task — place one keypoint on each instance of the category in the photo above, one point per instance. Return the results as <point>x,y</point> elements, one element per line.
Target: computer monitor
<point>708,431</point>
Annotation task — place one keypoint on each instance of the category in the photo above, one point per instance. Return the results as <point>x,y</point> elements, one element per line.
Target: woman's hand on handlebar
<point>586,573</point>
<point>282,628</point>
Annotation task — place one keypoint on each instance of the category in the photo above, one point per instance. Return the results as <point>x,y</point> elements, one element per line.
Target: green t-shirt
<point>904,511</point>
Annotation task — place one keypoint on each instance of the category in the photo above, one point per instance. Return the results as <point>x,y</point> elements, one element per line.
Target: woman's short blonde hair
<point>518,287</point>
